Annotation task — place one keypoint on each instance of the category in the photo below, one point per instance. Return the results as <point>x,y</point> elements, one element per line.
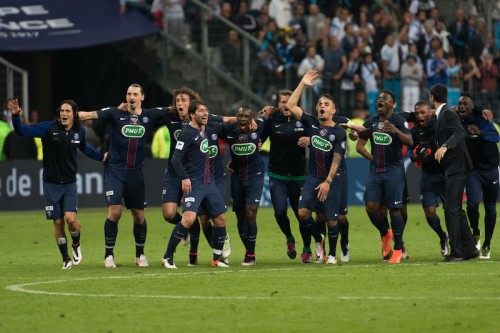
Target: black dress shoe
<point>472,255</point>
<point>452,259</point>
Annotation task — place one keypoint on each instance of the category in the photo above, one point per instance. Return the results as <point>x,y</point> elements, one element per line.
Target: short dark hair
<point>193,105</point>
<point>440,92</point>
<point>465,94</point>
<point>388,92</point>
<point>419,103</point>
<point>328,96</point>
<point>137,85</point>
<point>285,92</point>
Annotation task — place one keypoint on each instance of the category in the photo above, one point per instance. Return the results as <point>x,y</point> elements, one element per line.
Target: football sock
<point>435,223</point>
<point>306,249</point>
<point>344,232</point>
<point>473,215</point>
<point>219,236</point>
<point>174,220</point>
<point>304,234</point>
<point>243,231</point>
<point>310,225</point>
<point>490,220</point>
<point>75,236</point>
<point>378,223</point>
<point>333,235</point>
<point>252,236</point>
<point>194,236</point>
<point>284,225</point>
<point>110,233</point>
<point>397,230</point>
<point>321,227</point>
<point>63,248</point>
<point>208,235</point>
<point>140,231</point>
<point>178,234</point>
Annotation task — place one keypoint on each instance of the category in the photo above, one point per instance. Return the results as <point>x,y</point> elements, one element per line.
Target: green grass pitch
<point>422,294</point>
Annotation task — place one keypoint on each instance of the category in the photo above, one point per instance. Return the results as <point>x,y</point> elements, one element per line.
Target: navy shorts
<point>172,188</point>
<point>221,184</point>
<point>125,187</point>
<point>246,192</point>
<point>283,191</point>
<point>386,188</point>
<point>331,206</point>
<point>432,188</point>
<point>206,196</point>
<point>59,198</point>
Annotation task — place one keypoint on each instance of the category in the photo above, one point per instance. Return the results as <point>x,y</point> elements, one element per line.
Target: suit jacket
<point>450,131</point>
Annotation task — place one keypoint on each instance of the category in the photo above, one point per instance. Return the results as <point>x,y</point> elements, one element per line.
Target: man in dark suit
<point>456,162</point>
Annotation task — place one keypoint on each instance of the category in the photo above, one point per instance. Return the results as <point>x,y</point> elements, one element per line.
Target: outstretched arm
<point>292,104</point>
<point>84,115</point>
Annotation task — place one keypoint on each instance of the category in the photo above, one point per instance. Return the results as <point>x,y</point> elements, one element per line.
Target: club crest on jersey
<point>380,125</point>
<point>214,136</point>
<point>145,120</point>
<point>253,136</point>
<point>134,119</point>
<point>298,124</point>
<point>213,151</point>
<point>242,149</point>
<point>242,137</point>
<point>76,138</point>
<point>331,137</point>
<point>383,139</point>
<point>322,132</point>
<point>320,143</point>
<point>133,131</point>
<point>204,148</point>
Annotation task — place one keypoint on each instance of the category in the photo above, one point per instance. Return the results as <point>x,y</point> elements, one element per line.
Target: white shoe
<point>344,257</point>
<point>109,262</point>
<point>477,240</point>
<point>77,254</point>
<point>320,249</point>
<point>142,261</point>
<point>168,263</point>
<point>218,263</point>
<point>226,249</point>
<point>67,264</point>
<point>331,260</point>
<point>485,253</point>
<point>445,248</point>
<point>185,240</point>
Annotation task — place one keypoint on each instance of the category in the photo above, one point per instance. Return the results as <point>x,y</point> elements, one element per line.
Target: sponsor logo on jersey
<point>320,143</point>
<point>213,151</point>
<point>383,139</point>
<point>204,148</point>
<point>133,131</point>
<point>242,149</point>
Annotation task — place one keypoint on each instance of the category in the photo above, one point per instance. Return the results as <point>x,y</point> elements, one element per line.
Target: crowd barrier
<point>21,183</point>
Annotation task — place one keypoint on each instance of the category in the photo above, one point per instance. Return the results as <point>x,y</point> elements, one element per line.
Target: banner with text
<point>34,25</point>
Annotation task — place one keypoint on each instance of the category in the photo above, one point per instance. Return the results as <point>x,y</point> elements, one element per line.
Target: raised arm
<point>84,115</point>
<point>292,104</point>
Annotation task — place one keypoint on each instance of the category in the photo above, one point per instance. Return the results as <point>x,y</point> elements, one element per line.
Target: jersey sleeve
<point>106,113</point>
<point>86,148</point>
<point>340,143</point>
<point>181,147</point>
<point>34,131</point>
<point>214,118</point>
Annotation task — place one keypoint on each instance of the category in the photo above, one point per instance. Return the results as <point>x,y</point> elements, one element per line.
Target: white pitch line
<point>23,288</point>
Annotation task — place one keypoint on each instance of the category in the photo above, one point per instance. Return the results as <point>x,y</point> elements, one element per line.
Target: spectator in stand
<point>421,5</point>
<point>391,64</point>
<point>174,15</point>
<point>370,74</point>
<point>364,23</point>
<point>335,66</point>
<point>350,39</point>
<point>281,11</point>
<point>312,61</point>
<point>217,34</point>
<point>477,39</point>
<point>141,6</point>
<point>299,17</point>
<point>263,16</point>
<point>471,76</point>
<point>232,56</point>
<point>443,34</point>
<point>459,31</point>
<point>339,23</point>
<point>298,50</point>
<point>255,6</point>
<point>489,80</point>
<point>5,129</point>
<point>244,20</point>
<point>424,43</point>
<point>479,8</point>
<point>382,30</point>
<point>411,76</point>
<point>437,69</point>
<point>411,26</point>
<point>348,84</point>
<point>315,23</point>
